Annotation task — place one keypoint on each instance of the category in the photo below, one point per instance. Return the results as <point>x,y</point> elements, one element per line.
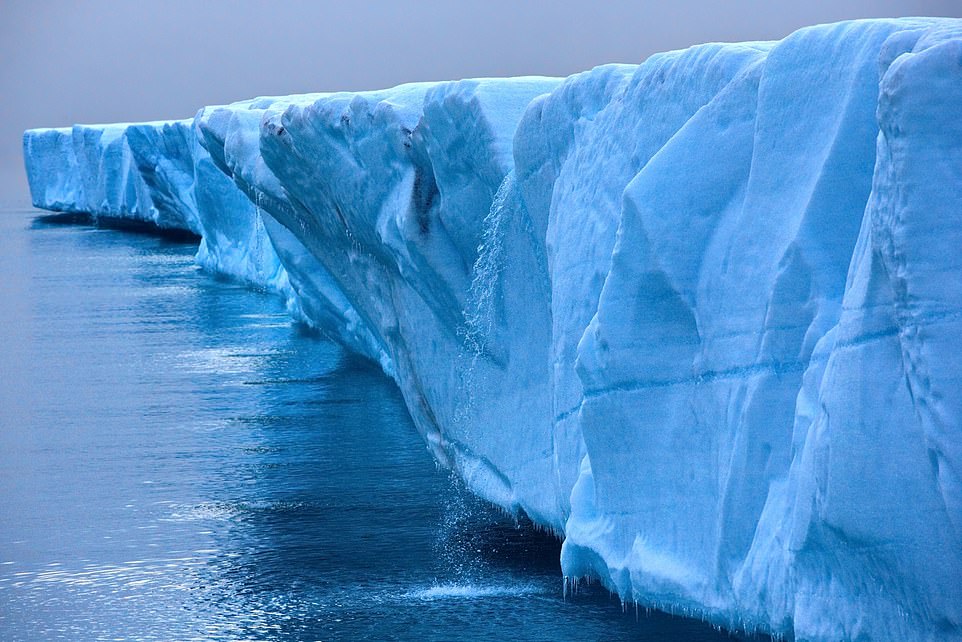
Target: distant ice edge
<point>701,316</point>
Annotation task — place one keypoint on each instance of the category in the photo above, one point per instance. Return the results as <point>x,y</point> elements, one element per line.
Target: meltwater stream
<point>178,461</point>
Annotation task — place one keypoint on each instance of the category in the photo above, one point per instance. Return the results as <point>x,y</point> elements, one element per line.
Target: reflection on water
<point>179,461</point>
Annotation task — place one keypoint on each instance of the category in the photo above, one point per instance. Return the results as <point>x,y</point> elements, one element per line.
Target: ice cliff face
<point>92,168</point>
<point>700,316</point>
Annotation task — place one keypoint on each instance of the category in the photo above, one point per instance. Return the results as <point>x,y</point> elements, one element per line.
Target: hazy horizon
<point>69,62</point>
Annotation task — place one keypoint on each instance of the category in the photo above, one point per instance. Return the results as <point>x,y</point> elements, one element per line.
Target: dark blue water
<point>178,461</point>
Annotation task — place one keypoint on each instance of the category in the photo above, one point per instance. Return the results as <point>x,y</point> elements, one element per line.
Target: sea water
<point>178,460</point>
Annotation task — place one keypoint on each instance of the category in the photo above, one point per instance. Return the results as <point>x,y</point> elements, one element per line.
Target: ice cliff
<point>702,316</point>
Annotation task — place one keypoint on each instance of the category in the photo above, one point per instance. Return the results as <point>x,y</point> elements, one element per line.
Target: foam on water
<point>474,591</point>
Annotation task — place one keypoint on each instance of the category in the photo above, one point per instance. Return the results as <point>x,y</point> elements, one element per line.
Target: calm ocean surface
<point>178,461</point>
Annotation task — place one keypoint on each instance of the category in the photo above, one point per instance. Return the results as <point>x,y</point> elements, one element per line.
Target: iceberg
<point>700,317</point>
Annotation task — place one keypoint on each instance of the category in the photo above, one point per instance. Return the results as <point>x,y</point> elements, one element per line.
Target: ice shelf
<point>701,317</point>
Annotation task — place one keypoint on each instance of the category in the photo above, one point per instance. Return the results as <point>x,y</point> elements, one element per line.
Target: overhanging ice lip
<point>699,316</point>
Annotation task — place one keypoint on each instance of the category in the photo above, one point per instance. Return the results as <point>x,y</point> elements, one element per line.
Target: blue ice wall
<point>700,316</point>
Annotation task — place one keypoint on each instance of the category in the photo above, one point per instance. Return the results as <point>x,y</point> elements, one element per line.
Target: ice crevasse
<point>701,316</point>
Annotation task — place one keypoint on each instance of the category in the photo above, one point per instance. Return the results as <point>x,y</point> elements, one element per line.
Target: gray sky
<point>63,62</point>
